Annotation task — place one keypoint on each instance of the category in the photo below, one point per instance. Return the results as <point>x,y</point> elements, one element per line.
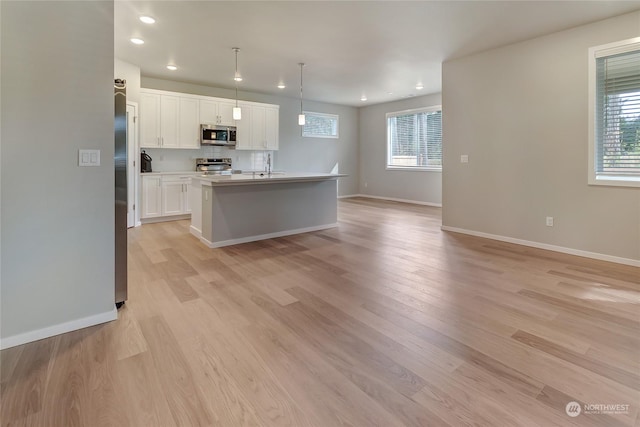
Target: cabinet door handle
<point>162,141</point>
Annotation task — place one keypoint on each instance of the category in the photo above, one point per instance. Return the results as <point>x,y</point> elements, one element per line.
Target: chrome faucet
<point>269,163</point>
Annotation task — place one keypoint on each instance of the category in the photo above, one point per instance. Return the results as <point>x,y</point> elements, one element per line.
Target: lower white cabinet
<point>151,196</point>
<point>165,195</point>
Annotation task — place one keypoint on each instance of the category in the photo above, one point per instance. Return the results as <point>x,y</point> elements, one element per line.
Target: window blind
<point>618,114</point>
<point>415,139</point>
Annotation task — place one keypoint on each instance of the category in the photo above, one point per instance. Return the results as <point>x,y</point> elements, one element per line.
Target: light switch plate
<point>464,158</point>
<point>88,157</point>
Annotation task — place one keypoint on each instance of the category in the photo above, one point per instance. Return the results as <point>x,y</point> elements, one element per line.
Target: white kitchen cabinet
<point>172,120</point>
<point>149,120</point>
<point>189,123</point>
<point>243,134</point>
<point>165,195</point>
<point>257,128</point>
<point>260,128</point>
<point>217,112</point>
<point>151,196</point>
<point>175,194</point>
<point>158,121</point>
<point>172,198</point>
<point>208,112</point>
<point>272,128</point>
<point>225,112</point>
<point>169,121</point>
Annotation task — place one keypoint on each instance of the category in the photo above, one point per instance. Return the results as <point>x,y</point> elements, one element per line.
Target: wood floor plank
<point>183,397</point>
<point>385,320</point>
<point>630,379</point>
<point>144,392</point>
<point>24,389</point>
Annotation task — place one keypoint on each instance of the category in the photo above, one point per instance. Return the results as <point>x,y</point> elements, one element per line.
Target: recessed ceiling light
<point>172,67</point>
<point>363,98</point>
<point>137,41</point>
<point>281,86</point>
<point>389,93</point>
<point>419,86</point>
<point>147,20</point>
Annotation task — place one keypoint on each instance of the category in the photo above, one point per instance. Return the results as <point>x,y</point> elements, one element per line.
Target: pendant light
<point>237,112</point>
<point>301,118</point>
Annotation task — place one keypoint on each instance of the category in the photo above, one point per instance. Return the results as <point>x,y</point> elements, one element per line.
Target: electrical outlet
<point>549,221</point>
<point>464,158</point>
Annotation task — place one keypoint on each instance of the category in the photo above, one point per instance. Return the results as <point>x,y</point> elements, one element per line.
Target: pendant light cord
<point>301,65</point>
<point>236,49</point>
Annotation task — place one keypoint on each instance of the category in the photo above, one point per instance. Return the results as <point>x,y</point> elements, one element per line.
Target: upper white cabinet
<point>243,134</point>
<point>189,123</point>
<point>168,120</point>
<point>149,120</point>
<point>217,112</point>
<point>225,111</point>
<point>159,120</point>
<point>260,128</point>
<point>208,112</point>
<point>172,120</point>
<point>272,128</point>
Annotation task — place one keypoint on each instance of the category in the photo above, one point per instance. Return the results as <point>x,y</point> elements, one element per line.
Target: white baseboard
<point>58,329</point>
<point>266,236</point>
<point>155,219</point>
<point>561,249</point>
<point>393,199</point>
<point>193,230</point>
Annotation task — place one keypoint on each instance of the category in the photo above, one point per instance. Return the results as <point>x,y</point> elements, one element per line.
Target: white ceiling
<point>351,48</point>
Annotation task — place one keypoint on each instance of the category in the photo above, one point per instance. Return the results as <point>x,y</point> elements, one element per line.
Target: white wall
<point>131,73</point>
<point>296,154</point>
<point>520,113</point>
<point>57,218</point>
<point>375,179</point>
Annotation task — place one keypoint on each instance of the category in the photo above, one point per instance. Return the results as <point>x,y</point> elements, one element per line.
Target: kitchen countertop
<point>277,177</point>
<point>170,173</point>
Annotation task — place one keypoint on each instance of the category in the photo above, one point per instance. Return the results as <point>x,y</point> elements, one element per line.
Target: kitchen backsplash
<point>176,160</point>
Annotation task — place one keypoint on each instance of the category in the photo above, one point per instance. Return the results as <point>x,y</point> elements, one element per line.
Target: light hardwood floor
<point>383,321</point>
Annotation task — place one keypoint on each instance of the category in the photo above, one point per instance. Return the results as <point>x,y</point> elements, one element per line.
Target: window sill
<point>413,169</point>
<point>615,181</point>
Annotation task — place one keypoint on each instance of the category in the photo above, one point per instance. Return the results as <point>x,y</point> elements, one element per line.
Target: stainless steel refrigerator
<point>120,160</point>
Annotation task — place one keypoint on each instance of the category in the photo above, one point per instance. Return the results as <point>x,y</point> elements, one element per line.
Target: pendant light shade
<point>301,118</point>
<point>237,112</point>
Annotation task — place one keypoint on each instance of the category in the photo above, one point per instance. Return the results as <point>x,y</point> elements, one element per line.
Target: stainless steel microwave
<point>217,135</point>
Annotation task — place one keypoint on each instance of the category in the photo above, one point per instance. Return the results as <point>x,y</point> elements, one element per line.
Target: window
<point>320,125</point>
<point>614,110</point>
<point>414,139</point>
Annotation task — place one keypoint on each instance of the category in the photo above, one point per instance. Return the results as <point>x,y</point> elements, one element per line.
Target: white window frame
<point>430,109</point>
<point>598,52</point>
<point>335,117</point>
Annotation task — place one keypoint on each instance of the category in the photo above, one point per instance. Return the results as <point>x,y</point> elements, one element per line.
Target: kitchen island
<point>232,209</point>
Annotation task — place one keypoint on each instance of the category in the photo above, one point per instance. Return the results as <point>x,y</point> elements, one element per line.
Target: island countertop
<point>264,178</point>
